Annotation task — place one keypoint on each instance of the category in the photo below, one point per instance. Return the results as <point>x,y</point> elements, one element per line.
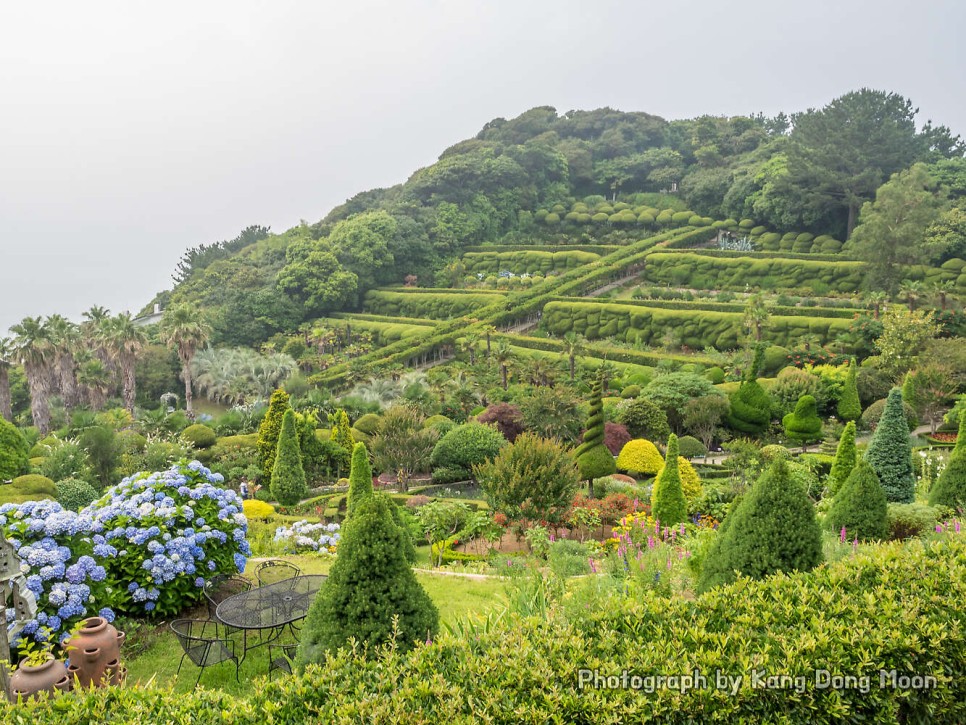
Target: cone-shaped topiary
<point>950,489</point>
<point>690,481</point>
<point>773,529</point>
<point>269,429</point>
<point>13,451</point>
<point>860,507</point>
<point>288,477</point>
<point>750,410</point>
<point>803,424</point>
<point>409,548</point>
<point>849,407</point>
<point>640,456</point>
<point>360,478</point>
<point>890,452</point>
<point>369,584</point>
<point>594,460</point>
<point>845,459</point>
<point>668,505</point>
<point>341,430</point>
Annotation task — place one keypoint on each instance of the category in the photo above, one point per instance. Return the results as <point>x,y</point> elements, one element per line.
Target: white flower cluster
<point>303,536</point>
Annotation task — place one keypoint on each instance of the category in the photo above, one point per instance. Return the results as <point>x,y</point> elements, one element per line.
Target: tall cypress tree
<point>950,489</point>
<point>668,504</point>
<point>845,459</point>
<point>860,507</point>
<point>269,429</point>
<point>360,478</point>
<point>890,452</point>
<point>288,477</point>
<point>594,459</point>
<point>341,431</point>
<point>849,407</point>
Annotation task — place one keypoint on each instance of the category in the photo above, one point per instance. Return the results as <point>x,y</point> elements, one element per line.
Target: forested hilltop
<point>793,184</point>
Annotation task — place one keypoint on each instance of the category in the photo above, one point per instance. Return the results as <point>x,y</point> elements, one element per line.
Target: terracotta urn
<point>30,681</point>
<point>93,657</point>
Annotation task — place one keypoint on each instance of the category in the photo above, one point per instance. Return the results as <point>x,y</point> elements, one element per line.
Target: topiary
<point>360,478</point>
<point>631,391</point>
<point>890,452</point>
<point>872,415</point>
<point>74,494</point>
<point>255,509</point>
<point>950,489</point>
<point>845,459</point>
<point>772,529</point>
<point>849,407</point>
<point>269,429</point>
<point>199,436</point>
<point>715,374</point>
<point>668,505</point>
<point>371,593</point>
<point>465,446</point>
<point>368,424</point>
<point>441,423</point>
<point>803,425</point>
<point>341,430</point>
<point>860,506</point>
<point>288,477</point>
<point>750,410</point>
<point>640,456</point>
<point>690,480</point>
<point>593,458</point>
<point>775,452</point>
<point>13,451</point>
<point>691,447</point>
<point>33,483</point>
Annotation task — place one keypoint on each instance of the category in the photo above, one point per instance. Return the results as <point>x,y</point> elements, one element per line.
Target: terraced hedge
<point>846,313</point>
<point>434,305</point>
<point>701,270</point>
<point>611,353</point>
<point>598,249</point>
<point>697,329</point>
<point>383,331</point>
<point>520,262</point>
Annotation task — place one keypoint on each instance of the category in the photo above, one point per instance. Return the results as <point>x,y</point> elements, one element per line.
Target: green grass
<point>158,652</point>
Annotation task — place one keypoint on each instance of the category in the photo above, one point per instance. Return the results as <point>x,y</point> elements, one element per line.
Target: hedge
<point>599,351</point>
<point>697,330</point>
<point>384,330</point>
<point>848,618</point>
<point>846,313</point>
<point>598,249</point>
<point>520,262</point>
<point>441,305</point>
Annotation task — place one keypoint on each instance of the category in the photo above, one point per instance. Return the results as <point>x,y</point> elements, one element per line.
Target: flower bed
<point>303,536</point>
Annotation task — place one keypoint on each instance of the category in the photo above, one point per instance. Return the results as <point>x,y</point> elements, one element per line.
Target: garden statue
<point>12,584</point>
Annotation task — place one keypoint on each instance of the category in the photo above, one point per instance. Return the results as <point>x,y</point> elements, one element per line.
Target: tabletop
<point>272,605</point>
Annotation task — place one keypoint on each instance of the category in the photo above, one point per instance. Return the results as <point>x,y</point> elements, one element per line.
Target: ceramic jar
<point>29,681</point>
<point>93,654</point>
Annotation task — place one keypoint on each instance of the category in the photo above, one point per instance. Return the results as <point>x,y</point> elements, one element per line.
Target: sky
<point>133,130</point>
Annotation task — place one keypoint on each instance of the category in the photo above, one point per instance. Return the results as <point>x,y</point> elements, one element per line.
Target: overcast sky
<point>131,130</point>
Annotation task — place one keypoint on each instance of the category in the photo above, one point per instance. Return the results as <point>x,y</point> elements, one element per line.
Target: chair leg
<point>179,665</point>
<point>201,671</point>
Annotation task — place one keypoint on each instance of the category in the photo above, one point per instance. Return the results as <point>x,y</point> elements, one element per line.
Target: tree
<point>890,452</point>
<point>771,529</point>
<point>672,391</point>
<point>13,452</point>
<point>65,338</point>
<point>466,446</point>
<point>890,235</point>
<point>860,507</point>
<point>507,418</point>
<point>756,315</point>
<point>845,459</point>
<point>533,478</point>
<point>551,413</point>
<point>341,433</point>
<point>703,416</point>
<point>573,347</point>
<point>6,361</point>
<point>593,458</point>
<point>849,407</point>
<point>361,244</point>
<point>904,335</point>
<point>803,424</point>
<point>124,341</point>
<point>315,278</point>
<point>503,355</point>
<point>360,479</point>
<point>371,593</point>
<point>929,389</point>
<point>402,445</point>
<point>94,378</point>
<point>288,477</point>
<point>644,419</point>
<point>184,328</point>
<point>269,430</point>
<point>950,489</point>
<point>668,505</point>
<point>34,350</point>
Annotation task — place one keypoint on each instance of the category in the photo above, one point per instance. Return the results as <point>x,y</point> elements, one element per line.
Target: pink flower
<point>593,565</point>
<point>939,528</point>
<point>650,542</point>
<point>956,525</point>
<point>842,536</point>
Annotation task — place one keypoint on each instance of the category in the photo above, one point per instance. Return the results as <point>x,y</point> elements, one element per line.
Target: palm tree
<point>470,342</point>
<point>34,350</point>
<point>96,379</point>
<point>756,315</point>
<point>876,299</point>
<point>573,346</point>
<point>540,371</point>
<point>912,289</point>
<point>488,330</point>
<point>124,341</point>
<point>942,290</point>
<point>66,340</point>
<point>183,327</point>
<point>6,360</point>
<point>503,354</point>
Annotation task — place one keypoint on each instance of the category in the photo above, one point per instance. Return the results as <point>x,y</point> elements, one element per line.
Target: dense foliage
<point>890,452</point>
<point>288,485</point>
<point>668,505</point>
<point>860,508</point>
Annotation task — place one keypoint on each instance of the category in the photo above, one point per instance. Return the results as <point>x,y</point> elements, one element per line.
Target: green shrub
<point>66,459</point>
<point>715,374</point>
<point>631,391</point>
<point>845,459</point>
<point>750,410</point>
<point>691,447</point>
<point>269,430</point>
<point>860,506</point>
<point>74,494</point>
<point>13,451</point>
<point>872,415</point>
<point>288,477</point>
<point>466,446</point>
<point>371,592</point>
<point>803,425</point>
<point>668,505</point>
<point>368,424</point>
<point>848,406</point>
<point>950,489</point>
<point>34,484</point>
<point>360,478</point>
<point>199,436</point>
<point>643,419</point>
<point>908,520</point>
<point>890,452</point>
<point>641,457</point>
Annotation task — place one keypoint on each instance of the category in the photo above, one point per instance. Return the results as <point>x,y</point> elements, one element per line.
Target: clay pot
<point>94,653</point>
<point>29,681</point>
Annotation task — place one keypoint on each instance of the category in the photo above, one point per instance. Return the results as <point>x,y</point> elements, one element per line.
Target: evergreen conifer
<point>668,505</point>
<point>360,478</point>
<point>860,507</point>
<point>950,489</point>
<point>594,460</point>
<point>890,452</point>
<point>288,477</point>
<point>849,407</point>
<point>269,429</point>
<point>845,459</point>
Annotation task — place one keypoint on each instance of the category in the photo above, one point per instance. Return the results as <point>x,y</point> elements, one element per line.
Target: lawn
<point>153,653</point>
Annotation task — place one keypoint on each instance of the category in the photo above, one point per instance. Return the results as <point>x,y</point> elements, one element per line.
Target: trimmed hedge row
<point>520,262</point>
<point>434,305</point>
<point>847,313</point>
<point>598,249</point>
<point>613,354</point>
<point>704,271</point>
<point>893,608</point>
<point>730,253</point>
<point>383,331</point>
<point>697,330</point>
<point>350,316</point>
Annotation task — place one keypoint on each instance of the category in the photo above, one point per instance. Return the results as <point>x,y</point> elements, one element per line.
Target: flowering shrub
<point>57,553</point>
<point>164,533</point>
<point>255,509</point>
<point>303,536</point>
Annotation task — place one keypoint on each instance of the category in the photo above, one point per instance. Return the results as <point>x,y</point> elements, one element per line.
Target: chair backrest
<point>199,640</point>
<point>275,570</point>
<point>220,587</point>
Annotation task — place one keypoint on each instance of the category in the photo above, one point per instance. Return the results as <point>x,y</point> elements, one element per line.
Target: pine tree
<point>269,429</point>
<point>288,477</point>
<point>950,489</point>
<point>860,507</point>
<point>890,452</point>
<point>341,430</point>
<point>370,583</point>
<point>803,424</point>
<point>668,505</point>
<point>360,478</point>
<point>593,458</point>
<point>845,459</point>
<point>772,529</point>
<point>849,407</point>
<point>750,405</point>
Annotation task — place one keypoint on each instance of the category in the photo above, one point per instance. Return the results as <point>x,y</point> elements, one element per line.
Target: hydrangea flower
<point>304,536</point>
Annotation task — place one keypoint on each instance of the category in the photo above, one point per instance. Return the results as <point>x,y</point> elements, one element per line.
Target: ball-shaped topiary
<point>950,489</point>
<point>199,436</point>
<point>13,451</point>
<point>466,446</point>
<point>441,423</point>
<point>641,457</point>
<point>668,505</point>
<point>74,494</point>
<point>288,477</point>
<point>33,483</point>
<point>369,585</point>
<point>845,459</point>
<point>890,452</point>
<point>775,452</point>
<point>803,424</point>
<point>873,414</point>
<point>368,424</point>
<point>771,529</point>
<point>691,447</point>
<point>360,478</point>
<point>860,506</point>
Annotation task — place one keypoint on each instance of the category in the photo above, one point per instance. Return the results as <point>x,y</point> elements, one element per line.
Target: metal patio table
<point>271,607</point>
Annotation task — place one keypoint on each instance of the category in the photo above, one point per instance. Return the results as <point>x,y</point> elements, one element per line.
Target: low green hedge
<point>845,313</point>
<point>526,261</point>
<point>892,607</point>
<point>436,305</point>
